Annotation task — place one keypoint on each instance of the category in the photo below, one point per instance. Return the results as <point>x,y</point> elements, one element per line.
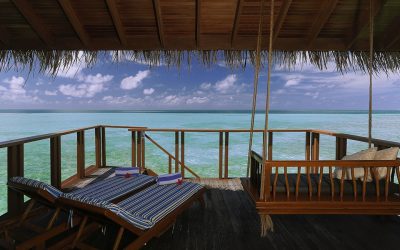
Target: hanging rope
<point>266,221</point>
<point>371,57</point>
<point>255,84</point>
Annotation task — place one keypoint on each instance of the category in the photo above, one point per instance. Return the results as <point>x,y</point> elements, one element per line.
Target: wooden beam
<point>390,36</point>
<point>5,37</point>
<point>183,154</point>
<point>362,21</point>
<point>112,7</point>
<point>176,151</point>
<point>35,21</point>
<point>75,22</point>
<point>221,150</point>
<point>80,154</point>
<point>226,156</point>
<point>281,18</point>
<point>103,147</point>
<point>97,136</point>
<point>236,21</point>
<point>157,15</point>
<point>198,23</point>
<point>327,7</point>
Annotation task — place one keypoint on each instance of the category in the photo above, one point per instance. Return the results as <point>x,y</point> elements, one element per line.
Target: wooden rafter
<point>327,7</point>
<point>74,20</point>
<point>37,24</point>
<point>281,18</point>
<point>112,7</point>
<point>157,14</point>
<point>5,36</point>
<point>391,35</point>
<point>236,21</point>
<point>362,21</point>
<point>198,22</point>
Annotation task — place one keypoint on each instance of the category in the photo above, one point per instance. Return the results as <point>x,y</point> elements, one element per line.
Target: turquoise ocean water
<point>201,149</point>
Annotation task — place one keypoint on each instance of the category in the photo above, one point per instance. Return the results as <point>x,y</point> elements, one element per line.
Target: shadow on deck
<point>230,221</point>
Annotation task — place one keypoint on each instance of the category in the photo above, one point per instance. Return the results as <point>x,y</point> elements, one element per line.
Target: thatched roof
<point>48,34</point>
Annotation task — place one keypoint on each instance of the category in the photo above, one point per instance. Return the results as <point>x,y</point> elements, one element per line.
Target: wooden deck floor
<point>229,221</point>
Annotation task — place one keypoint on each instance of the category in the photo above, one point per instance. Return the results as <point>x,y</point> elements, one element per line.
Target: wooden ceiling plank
<point>5,36</point>
<point>198,22</point>
<point>112,7</point>
<point>35,21</point>
<point>236,22</point>
<point>391,35</point>
<point>74,20</point>
<point>281,18</point>
<point>362,22</point>
<point>157,15</point>
<point>327,8</point>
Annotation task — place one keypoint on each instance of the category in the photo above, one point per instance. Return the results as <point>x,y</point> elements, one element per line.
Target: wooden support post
<point>270,145</point>
<point>315,150</point>
<point>169,164</point>
<point>341,147</point>
<point>308,146</point>
<point>226,158</point>
<point>55,161</point>
<point>80,154</point>
<point>183,154</point>
<point>221,151</point>
<point>97,139</point>
<point>103,147</point>
<point>134,164</point>
<point>142,138</point>
<point>15,167</point>
<point>139,150</point>
<point>176,151</point>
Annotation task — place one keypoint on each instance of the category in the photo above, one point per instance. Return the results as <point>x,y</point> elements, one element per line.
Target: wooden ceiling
<point>314,25</point>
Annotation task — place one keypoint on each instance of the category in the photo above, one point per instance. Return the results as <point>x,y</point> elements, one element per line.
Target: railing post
<point>55,161</point>
<point>15,167</point>
<point>133,141</point>
<point>97,139</point>
<point>142,138</point>
<point>169,164</point>
<point>80,154</point>
<point>341,147</point>
<point>103,147</point>
<point>221,149</point>
<point>183,154</point>
<point>315,150</point>
<point>226,160</point>
<point>308,146</point>
<point>176,151</point>
<point>139,150</point>
<point>270,145</point>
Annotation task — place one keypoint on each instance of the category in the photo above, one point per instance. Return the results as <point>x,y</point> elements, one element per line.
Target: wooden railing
<point>176,159</point>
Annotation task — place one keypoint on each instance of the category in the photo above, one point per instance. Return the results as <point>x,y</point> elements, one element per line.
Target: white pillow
<point>364,155</point>
<point>385,154</point>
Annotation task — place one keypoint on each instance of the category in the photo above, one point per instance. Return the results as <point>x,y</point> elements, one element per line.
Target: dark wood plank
<point>15,167</point>
<point>55,161</point>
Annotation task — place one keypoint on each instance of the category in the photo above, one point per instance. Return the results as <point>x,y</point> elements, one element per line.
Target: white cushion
<point>364,155</point>
<point>385,154</point>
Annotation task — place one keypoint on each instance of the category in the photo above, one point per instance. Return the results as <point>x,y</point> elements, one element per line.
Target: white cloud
<point>115,100</point>
<point>205,86</point>
<point>314,95</point>
<point>197,100</point>
<point>132,82</point>
<point>172,99</point>
<point>148,91</point>
<point>81,90</point>
<point>16,92</point>
<point>98,78</point>
<point>50,93</point>
<point>292,82</point>
<point>226,85</point>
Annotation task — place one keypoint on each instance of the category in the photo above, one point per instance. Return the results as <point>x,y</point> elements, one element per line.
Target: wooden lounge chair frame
<point>269,201</point>
<point>102,214</point>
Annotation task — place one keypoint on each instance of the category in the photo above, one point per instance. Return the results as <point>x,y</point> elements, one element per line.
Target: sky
<point>132,85</point>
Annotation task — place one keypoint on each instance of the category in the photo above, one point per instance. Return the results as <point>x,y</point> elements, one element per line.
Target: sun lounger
<point>146,213</point>
<point>110,189</point>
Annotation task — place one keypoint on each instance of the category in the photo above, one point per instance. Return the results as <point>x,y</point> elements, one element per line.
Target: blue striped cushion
<point>166,179</point>
<point>36,184</point>
<point>155,202</point>
<point>111,188</point>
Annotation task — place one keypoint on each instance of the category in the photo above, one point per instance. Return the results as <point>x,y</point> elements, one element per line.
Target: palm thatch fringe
<point>266,224</point>
<point>55,60</point>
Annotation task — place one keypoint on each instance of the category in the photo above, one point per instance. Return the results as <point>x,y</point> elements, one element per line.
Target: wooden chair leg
<point>26,212</point>
<point>53,219</point>
<point>81,228</point>
<point>118,239</point>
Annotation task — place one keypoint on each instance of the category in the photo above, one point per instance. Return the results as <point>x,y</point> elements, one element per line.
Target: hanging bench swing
<point>318,186</point>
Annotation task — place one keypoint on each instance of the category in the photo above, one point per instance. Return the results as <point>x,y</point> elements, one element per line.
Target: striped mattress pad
<point>105,190</point>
